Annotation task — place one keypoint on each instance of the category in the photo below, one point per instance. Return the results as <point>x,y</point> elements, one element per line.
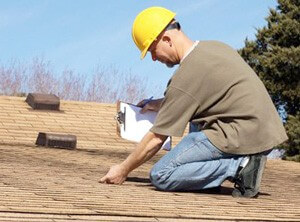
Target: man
<point>233,121</point>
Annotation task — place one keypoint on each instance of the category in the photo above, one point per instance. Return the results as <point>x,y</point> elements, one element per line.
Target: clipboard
<point>133,125</point>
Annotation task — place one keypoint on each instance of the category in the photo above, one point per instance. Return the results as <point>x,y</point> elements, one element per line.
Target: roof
<point>48,184</point>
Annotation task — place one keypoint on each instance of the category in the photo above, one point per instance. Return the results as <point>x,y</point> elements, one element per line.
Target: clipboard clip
<point>120,117</point>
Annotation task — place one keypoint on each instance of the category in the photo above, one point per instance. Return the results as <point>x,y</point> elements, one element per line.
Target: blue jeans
<point>194,164</point>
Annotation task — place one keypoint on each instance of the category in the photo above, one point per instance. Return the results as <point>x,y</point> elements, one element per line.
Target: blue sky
<point>81,34</point>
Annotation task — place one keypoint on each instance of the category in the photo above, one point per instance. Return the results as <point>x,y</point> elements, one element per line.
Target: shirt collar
<point>189,51</point>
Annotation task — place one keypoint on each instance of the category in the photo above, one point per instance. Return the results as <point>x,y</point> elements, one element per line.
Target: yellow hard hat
<point>148,25</point>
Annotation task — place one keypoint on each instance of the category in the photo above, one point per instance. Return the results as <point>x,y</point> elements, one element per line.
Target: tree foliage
<point>275,56</point>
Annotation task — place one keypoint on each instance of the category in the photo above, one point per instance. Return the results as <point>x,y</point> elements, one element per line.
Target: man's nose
<point>153,56</point>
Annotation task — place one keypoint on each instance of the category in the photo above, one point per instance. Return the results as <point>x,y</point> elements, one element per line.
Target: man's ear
<point>167,39</point>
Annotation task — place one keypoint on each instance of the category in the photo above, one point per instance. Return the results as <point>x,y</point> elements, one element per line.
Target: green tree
<point>275,56</point>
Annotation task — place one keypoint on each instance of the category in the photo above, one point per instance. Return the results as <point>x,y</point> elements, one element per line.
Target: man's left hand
<point>116,175</point>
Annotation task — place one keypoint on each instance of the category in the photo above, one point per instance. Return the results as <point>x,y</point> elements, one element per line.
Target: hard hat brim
<point>144,52</point>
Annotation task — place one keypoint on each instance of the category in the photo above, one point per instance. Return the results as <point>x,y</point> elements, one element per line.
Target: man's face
<point>161,50</point>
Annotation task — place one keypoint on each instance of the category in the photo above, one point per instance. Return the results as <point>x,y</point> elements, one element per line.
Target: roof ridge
<point>21,98</point>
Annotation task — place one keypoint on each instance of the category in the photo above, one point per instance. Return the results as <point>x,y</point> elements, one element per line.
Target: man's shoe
<point>247,181</point>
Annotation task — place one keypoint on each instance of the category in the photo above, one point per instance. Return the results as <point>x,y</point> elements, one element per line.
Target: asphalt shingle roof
<point>48,184</point>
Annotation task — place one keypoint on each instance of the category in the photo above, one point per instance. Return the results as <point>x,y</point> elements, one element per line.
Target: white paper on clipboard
<point>135,125</point>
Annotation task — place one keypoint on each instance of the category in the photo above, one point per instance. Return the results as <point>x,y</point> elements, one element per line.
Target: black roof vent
<point>56,140</point>
<point>43,101</point>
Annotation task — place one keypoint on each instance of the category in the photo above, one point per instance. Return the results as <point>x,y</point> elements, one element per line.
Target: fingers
<point>109,180</point>
<point>115,175</point>
<point>145,108</point>
<point>142,103</point>
<point>103,179</point>
<point>106,180</point>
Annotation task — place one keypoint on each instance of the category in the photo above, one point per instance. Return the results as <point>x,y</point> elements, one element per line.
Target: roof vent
<point>56,140</point>
<point>43,101</point>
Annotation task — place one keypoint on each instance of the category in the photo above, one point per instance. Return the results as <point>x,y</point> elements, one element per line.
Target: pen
<point>147,101</point>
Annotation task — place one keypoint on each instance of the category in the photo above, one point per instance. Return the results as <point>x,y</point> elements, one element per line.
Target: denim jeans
<point>194,164</point>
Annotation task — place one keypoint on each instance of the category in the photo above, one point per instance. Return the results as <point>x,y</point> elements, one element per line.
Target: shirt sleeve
<point>176,111</point>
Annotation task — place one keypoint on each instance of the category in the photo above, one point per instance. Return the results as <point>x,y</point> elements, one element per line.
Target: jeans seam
<point>176,160</point>
<point>213,152</point>
<point>196,143</point>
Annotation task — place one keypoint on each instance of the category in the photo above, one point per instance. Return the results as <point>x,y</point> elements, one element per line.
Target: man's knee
<point>155,178</point>
<point>158,180</point>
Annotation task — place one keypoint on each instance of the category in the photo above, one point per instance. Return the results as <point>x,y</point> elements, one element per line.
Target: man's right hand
<point>116,175</point>
<point>153,105</point>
